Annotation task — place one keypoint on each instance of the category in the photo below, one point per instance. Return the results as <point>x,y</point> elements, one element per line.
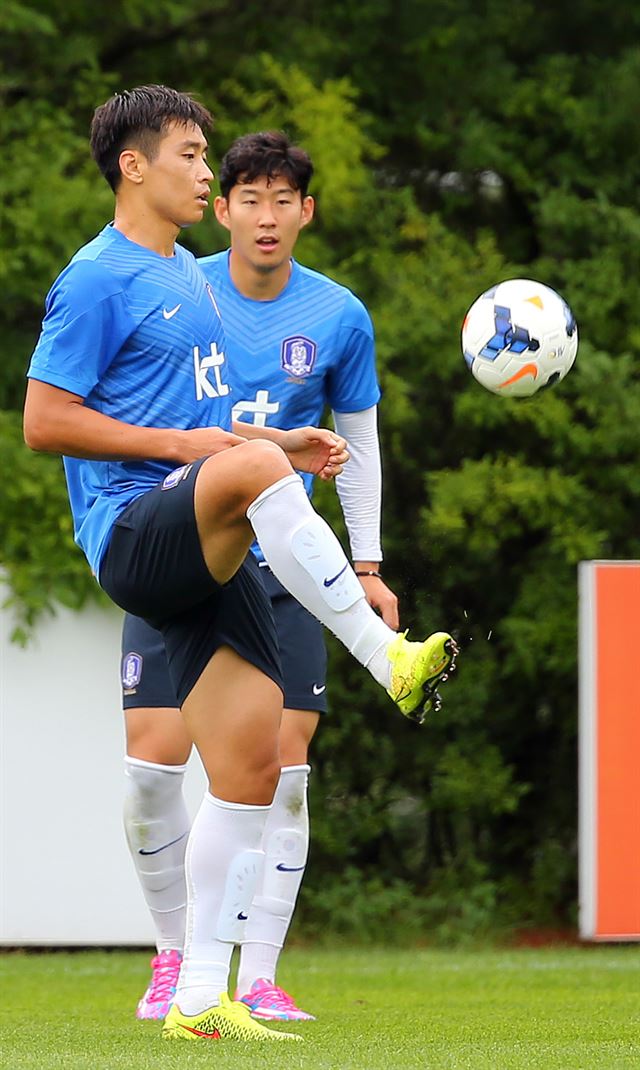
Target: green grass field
<point>564,1008</point>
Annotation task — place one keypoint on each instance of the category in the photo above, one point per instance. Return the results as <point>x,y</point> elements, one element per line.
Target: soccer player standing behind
<point>298,343</point>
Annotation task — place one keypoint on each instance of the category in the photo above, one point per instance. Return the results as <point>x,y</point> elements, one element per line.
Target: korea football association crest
<point>131,670</point>
<point>298,356</point>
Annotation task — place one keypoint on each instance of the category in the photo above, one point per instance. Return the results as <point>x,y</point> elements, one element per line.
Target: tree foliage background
<point>455,145</point>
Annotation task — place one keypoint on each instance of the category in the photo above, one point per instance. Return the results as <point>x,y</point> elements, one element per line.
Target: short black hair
<point>138,118</point>
<point>268,153</point>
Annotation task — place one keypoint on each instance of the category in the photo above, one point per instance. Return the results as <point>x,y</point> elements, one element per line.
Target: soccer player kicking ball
<point>297,343</point>
<point>129,382</point>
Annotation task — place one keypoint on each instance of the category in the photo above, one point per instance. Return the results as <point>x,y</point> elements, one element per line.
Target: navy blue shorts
<point>145,677</point>
<point>154,568</point>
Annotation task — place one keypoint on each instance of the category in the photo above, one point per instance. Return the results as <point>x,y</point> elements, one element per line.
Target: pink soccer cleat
<point>165,968</point>
<point>266,1000</point>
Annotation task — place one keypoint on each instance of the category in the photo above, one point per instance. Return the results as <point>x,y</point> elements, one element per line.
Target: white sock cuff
<point>140,763</point>
<point>224,804</point>
<point>295,769</point>
<point>262,497</point>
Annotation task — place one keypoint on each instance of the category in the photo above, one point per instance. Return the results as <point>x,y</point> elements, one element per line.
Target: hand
<point>317,450</point>
<point>378,595</point>
<point>203,442</point>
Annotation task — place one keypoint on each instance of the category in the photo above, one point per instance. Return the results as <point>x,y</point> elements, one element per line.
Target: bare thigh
<point>227,484</point>
<point>233,716</point>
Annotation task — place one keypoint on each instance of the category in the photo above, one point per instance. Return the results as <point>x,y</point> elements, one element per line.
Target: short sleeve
<point>353,382</point>
<point>85,325</point>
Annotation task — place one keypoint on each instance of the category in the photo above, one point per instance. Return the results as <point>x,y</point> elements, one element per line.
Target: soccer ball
<point>518,337</point>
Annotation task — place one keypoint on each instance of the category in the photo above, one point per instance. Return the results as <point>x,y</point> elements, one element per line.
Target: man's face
<point>264,218</point>
<point>177,181</point>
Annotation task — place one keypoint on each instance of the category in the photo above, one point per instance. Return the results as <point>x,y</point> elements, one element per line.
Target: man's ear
<point>133,164</point>
<point>308,208</point>
<point>221,209</point>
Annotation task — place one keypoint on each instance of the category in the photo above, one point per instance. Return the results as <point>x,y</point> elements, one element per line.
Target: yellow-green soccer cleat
<point>229,1021</point>
<point>416,671</point>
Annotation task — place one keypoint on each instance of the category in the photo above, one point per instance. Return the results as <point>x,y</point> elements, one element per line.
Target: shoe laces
<point>164,978</point>
<point>276,995</point>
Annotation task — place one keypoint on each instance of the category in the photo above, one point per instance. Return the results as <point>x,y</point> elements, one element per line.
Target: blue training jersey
<point>310,348</point>
<point>139,337</point>
<point>290,358</point>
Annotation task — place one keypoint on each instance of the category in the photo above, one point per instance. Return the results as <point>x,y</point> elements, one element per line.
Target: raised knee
<point>257,464</point>
<point>266,456</point>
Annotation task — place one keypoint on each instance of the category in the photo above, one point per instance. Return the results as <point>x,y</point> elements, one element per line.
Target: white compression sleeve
<point>286,845</point>
<point>157,825</point>
<point>360,484</point>
<point>304,554</point>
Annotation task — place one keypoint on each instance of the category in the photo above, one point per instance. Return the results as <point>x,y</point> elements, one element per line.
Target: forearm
<point>247,430</point>
<point>360,485</point>
<point>63,424</point>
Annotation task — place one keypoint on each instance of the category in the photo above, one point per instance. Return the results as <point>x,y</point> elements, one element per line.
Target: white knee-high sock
<point>307,558</point>
<point>157,826</point>
<point>285,844</point>
<point>223,864</point>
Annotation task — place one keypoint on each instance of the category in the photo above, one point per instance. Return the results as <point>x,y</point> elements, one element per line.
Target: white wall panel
<point>65,873</point>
